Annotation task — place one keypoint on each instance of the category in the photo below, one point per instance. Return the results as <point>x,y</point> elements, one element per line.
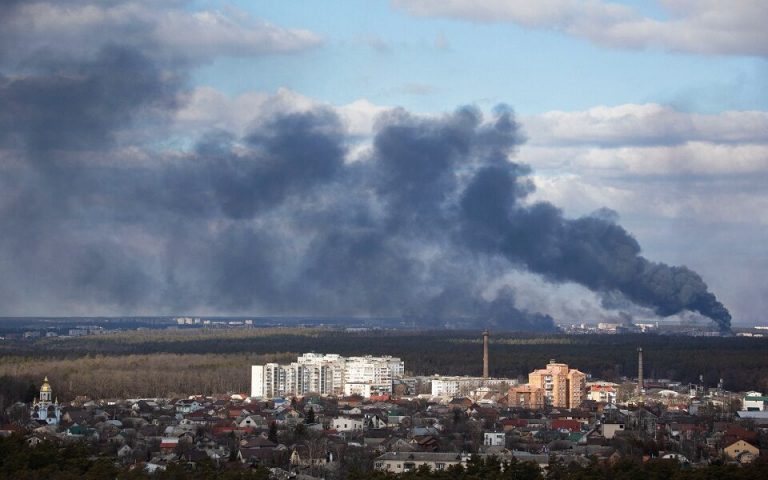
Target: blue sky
<point>373,51</point>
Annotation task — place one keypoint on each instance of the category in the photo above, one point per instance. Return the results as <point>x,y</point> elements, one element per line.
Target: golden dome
<point>46,386</point>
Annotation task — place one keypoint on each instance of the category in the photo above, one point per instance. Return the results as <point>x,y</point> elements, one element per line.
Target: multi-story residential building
<point>459,386</point>
<point>326,374</point>
<point>526,396</point>
<point>563,387</point>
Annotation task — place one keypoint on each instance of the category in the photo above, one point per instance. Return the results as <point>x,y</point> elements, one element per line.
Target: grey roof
<point>748,414</point>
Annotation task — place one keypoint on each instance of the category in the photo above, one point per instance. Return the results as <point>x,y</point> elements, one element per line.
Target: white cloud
<point>171,32</point>
<point>206,108</point>
<point>646,140</point>
<point>698,26</point>
<point>647,124</point>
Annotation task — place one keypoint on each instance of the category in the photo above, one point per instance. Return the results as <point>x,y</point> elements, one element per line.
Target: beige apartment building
<point>526,396</point>
<point>562,386</point>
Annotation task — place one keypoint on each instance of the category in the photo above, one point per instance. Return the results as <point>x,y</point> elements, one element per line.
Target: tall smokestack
<point>640,370</point>
<point>485,353</point>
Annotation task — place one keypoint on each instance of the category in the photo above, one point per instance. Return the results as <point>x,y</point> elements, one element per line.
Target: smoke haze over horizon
<point>110,205</point>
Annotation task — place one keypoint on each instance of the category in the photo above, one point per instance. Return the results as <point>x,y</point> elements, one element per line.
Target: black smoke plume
<point>96,218</point>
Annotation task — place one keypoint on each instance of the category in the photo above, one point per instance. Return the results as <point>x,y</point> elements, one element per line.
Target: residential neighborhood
<point>328,436</point>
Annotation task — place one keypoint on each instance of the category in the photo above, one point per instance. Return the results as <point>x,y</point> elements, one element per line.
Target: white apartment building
<point>461,386</point>
<point>450,386</point>
<point>326,374</point>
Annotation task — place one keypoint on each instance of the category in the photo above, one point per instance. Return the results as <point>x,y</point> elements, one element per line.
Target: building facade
<point>604,392</point>
<point>755,402</point>
<point>526,396</point>
<point>327,374</point>
<point>443,386</point>
<point>563,387</point>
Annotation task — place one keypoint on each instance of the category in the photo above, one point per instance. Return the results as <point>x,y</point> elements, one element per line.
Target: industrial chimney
<point>485,353</point>
<point>640,386</point>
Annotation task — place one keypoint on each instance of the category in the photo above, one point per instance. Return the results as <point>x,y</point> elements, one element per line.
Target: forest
<point>168,363</point>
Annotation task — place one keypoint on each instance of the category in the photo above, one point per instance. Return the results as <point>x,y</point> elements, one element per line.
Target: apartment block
<point>563,387</point>
<point>326,374</point>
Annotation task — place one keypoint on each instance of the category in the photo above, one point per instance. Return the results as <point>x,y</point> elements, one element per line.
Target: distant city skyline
<point>231,158</point>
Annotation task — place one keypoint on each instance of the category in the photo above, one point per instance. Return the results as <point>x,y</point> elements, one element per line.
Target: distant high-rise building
<point>329,374</point>
<point>563,387</point>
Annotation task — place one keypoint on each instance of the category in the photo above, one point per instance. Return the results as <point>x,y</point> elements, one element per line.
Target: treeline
<point>128,376</point>
<point>160,362</point>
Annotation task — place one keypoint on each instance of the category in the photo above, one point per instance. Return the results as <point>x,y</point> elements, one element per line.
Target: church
<point>44,409</point>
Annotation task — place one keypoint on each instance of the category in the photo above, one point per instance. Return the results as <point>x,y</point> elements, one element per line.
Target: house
<point>168,444</point>
<point>198,417</point>
<point>513,423</point>
<point>735,432</point>
<point>566,425</point>
<point>187,406</point>
<point>609,430</point>
<point>375,421</point>
<point>251,421</point>
<point>738,448</point>
<point>426,443</point>
<point>494,439</point>
<point>346,424</point>
<point>755,402</point>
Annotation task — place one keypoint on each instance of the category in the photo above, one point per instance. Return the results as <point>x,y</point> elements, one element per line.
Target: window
<point>439,466</point>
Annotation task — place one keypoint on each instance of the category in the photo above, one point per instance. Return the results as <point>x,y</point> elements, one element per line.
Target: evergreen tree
<point>310,416</point>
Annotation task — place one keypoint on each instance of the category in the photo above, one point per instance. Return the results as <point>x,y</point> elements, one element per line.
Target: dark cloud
<point>82,106</point>
<point>276,221</point>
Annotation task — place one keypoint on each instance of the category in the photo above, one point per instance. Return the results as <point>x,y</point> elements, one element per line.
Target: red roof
<point>571,425</point>
<point>607,388</point>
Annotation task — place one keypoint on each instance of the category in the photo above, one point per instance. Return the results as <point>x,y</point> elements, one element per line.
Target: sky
<point>514,163</point>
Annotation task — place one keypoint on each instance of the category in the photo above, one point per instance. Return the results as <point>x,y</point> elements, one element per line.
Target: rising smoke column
<point>97,219</point>
<point>592,251</point>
